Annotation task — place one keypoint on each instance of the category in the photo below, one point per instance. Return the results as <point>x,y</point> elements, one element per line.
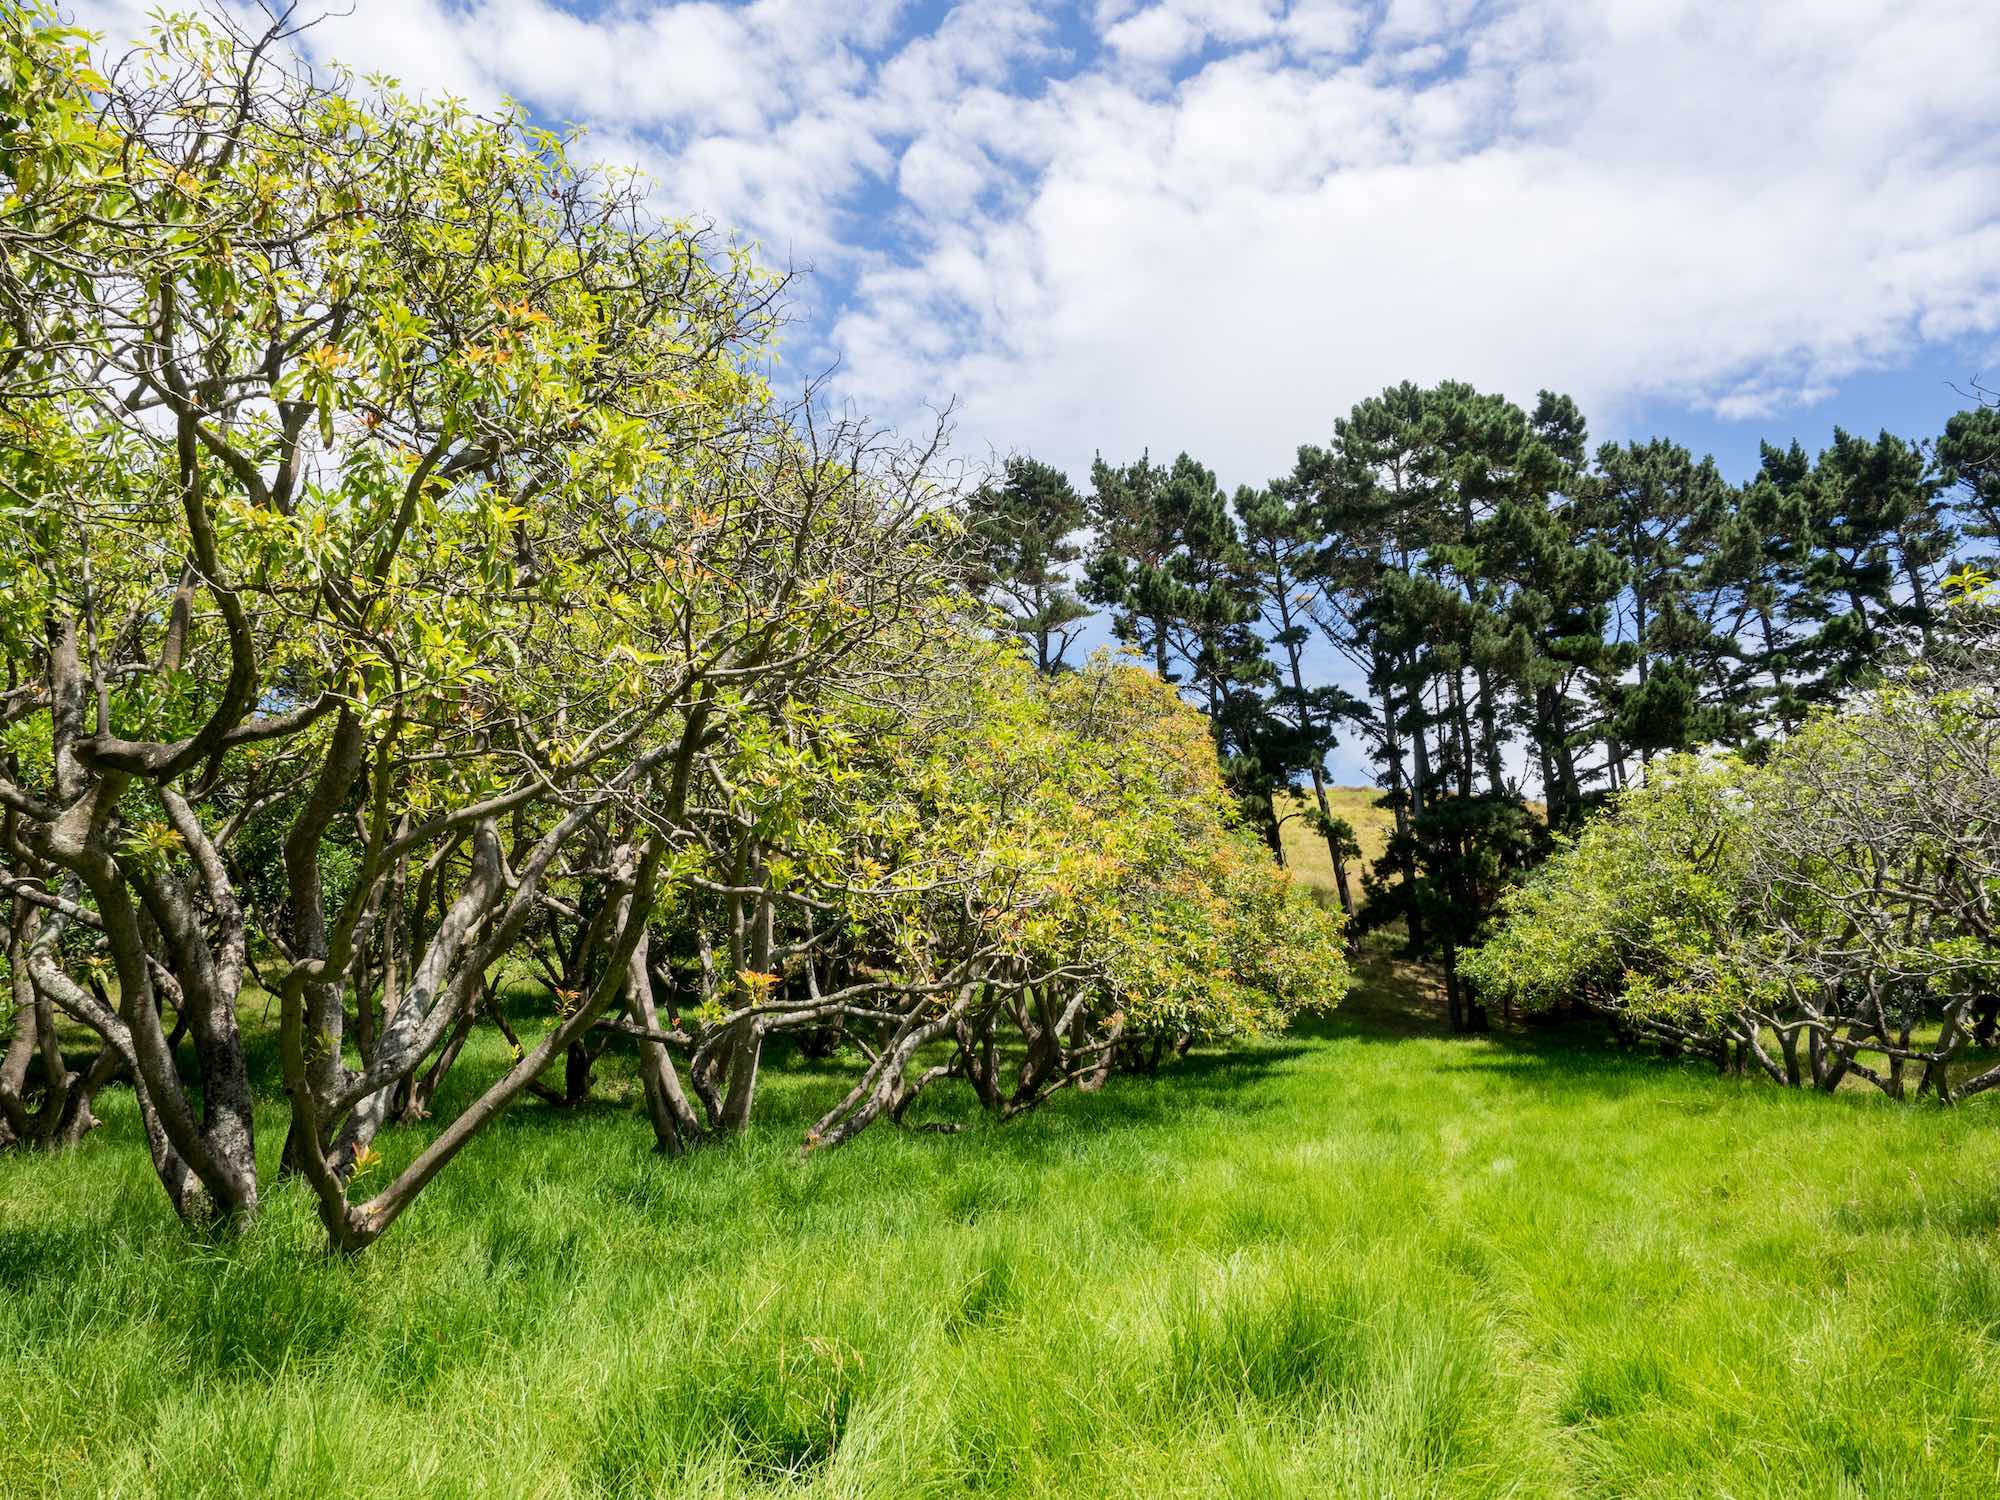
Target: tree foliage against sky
<point>1526,618</point>
<point>413,582</point>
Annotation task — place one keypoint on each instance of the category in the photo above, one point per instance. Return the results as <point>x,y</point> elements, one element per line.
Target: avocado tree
<point>372,467</point>
<point>413,581</point>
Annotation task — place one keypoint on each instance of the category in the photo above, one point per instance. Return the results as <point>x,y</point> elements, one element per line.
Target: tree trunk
<point>1461,730</point>
<point>1095,1078</point>
<point>1420,747</point>
<point>415,1100</point>
<point>1489,735</point>
<point>1788,1043</point>
<point>1333,849</point>
<point>745,1054</point>
<point>675,1127</point>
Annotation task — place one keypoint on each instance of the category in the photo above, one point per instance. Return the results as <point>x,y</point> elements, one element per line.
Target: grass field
<point>1363,1260</point>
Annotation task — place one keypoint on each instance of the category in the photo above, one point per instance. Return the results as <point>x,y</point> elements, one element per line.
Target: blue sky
<point>1213,225</point>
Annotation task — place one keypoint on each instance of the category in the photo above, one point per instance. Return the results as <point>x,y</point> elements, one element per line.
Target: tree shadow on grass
<point>1397,1000</point>
<point>1598,1065</point>
<point>31,1252</point>
<point>795,1091</point>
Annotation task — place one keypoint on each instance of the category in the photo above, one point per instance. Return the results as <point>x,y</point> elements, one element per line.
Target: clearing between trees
<point>1361,1259</point>
<point>485,754</point>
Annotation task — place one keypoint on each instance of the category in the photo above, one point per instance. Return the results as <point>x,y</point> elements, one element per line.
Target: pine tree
<point>1874,524</point>
<point>1022,534</point>
<point>1168,561</point>
<point>1281,541</point>
<point>1968,457</point>
<point>1136,532</point>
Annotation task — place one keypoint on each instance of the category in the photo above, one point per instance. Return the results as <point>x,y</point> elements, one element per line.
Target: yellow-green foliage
<point>1621,911</point>
<point>1089,816</point>
<point>1199,932</point>
<point>472,354</point>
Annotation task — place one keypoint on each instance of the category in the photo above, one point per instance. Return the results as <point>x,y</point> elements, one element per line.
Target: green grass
<point>1364,1260</point>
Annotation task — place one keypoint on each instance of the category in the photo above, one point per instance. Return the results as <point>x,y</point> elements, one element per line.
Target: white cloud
<point>1158,34</point>
<point>1731,206</point>
<point>1166,32</point>
<point>1316,28</point>
<point>1216,223</point>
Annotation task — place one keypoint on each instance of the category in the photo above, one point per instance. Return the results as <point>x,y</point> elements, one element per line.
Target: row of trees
<point>413,587</point>
<point>1832,912</point>
<point>1523,616</point>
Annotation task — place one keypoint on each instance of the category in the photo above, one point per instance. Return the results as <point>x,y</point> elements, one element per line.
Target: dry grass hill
<point>1305,850</point>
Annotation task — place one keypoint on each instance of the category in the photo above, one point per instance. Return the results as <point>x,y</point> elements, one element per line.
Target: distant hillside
<point>1305,850</point>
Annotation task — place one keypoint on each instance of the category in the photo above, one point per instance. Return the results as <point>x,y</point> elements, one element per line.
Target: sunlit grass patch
<point>1361,1260</point>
